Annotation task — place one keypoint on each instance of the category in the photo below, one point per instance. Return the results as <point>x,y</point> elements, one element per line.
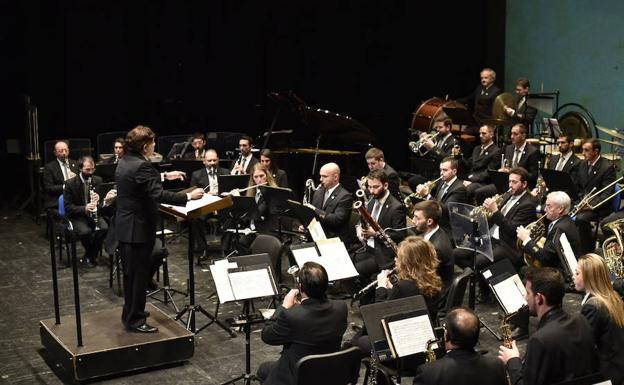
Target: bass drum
<point>576,121</point>
<point>425,115</point>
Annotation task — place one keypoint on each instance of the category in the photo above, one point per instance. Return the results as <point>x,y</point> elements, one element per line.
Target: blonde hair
<point>596,280</point>
<point>417,261</point>
<point>270,181</point>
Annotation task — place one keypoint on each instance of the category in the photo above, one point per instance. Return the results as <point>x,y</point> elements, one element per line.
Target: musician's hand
<point>290,299</point>
<point>456,151</point>
<point>369,233</point>
<point>197,193</point>
<point>428,144</point>
<point>173,175</point>
<point>534,192</point>
<point>310,205</point>
<point>235,192</point>
<point>95,197</point>
<point>509,111</point>
<point>490,205</point>
<point>238,169</point>
<point>505,354</point>
<point>110,197</point>
<point>422,190</point>
<point>358,232</point>
<point>383,279</point>
<point>467,183</point>
<point>90,207</point>
<point>523,233</point>
<point>504,169</point>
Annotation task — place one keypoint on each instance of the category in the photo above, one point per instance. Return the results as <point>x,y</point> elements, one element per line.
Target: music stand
<point>559,181</point>
<point>243,207</point>
<point>177,150</point>
<point>106,171</point>
<point>500,179</point>
<point>230,182</point>
<point>303,213</point>
<point>329,253</point>
<point>193,210</point>
<point>277,203</point>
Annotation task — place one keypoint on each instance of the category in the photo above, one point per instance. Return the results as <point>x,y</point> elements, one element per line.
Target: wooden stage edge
<point>108,348</point>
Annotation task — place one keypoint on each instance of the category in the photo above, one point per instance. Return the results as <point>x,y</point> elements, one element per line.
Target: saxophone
<point>538,235</point>
<point>613,248</point>
<point>411,200</point>
<point>430,354</point>
<point>498,198</point>
<point>505,328</point>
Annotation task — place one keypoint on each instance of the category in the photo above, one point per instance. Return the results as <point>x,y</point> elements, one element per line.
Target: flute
<point>244,189</point>
<point>371,285</point>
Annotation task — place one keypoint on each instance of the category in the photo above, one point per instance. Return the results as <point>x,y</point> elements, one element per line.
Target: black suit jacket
<point>455,193</point>
<point>561,349</point>
<point>481,100</point>
<point>462,367</point>
<point>524,114</point>
<point>392,215</point>
<point>521,214</point>
<point>602,175</point>
<point>139,192</point>
<point>199,178</point>
<point>314,327</point>
<point>548,254</point>
<point>571,166</point>
<point>529,160</point>
<point>394,181</point>
<point>406,288</point>
<point>609,339</point>
<point>479,164</point>
<point>281,179</point>
<point>444,249</point>
<point>250,165</point>
<point>74,196</point>
<point>335,215</point>
<point>53,181</point>
<point>190,154</point>
<point>439,153</point>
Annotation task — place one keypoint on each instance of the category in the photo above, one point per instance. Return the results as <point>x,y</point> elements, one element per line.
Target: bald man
<point>332,203</point>
<point>56,172</point>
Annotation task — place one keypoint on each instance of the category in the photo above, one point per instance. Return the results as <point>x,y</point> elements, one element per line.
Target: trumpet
<point>409,200</point>
<point>309,191</point>
<point>415,146</point>
<point>585,203</point>
<point>373,284</point>
<point>498,198</point>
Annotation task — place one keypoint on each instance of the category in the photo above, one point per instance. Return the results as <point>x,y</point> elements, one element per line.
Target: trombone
<point>585,203</point>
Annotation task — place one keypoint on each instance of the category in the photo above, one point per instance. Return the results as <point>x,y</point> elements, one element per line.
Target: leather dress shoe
<point>144,328</point>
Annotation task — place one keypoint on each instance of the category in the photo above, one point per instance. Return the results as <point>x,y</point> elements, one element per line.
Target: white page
<point>336,260</point>
<point>251,284</point>
<point>509,294</point>
<point>568,254</point>
<point>194,204</point>
<point>316,230</point>
<point>220,277</point>
<point>307,254</point>
<point>410,335</point>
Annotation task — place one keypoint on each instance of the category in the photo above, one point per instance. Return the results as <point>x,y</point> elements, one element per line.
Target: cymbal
<point>610,132</point>
<point>498,109</point>
<point>619,144</point>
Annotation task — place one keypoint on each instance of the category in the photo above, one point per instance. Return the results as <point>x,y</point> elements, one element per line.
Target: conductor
<point>139,191</point>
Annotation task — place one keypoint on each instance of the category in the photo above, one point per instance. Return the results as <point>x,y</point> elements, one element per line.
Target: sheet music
<point>410,335</point>
<point>251,284</point>
<point>307,254</point>
<point>316,230</point>
<point>568,254</point>
<point>221,280</point>
<point>194,204</point>
<point>510,293</point>
<point>335,259</point>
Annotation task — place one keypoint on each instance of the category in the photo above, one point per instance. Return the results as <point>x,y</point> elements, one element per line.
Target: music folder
<point>230,182</point>
<point>329,253</point>
<point>299,211</point>
<point>243,277</point>
<point>506,285</point>
<point>196,208</point>
<point>276,198</point>
<point>559,181</point>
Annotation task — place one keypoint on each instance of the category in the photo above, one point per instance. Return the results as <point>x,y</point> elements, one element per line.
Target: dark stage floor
<point>25,282</point>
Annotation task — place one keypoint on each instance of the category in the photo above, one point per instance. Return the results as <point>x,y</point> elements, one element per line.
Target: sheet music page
<point>251,284</point>
<point>509,294</point>
<point>410,335</point>
<point>316,230</point>
<point>307,254</point>
<point>568,253</point>
<point>221,280</point>
<point>194,204</point>
<point>335,259</point>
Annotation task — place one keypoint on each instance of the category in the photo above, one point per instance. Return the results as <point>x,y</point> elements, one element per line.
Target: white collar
<point>330,191</point>
<point>428,234</point>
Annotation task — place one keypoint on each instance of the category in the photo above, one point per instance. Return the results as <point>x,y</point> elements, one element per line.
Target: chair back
<point>61,206</point>
<point>340,368</point>
<point>457,290</point>
<point>617,199</point>
<point>271,245</point>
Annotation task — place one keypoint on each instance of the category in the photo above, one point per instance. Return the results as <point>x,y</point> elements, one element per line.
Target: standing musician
<point>56,172</point>
<point>198,142</point>
<point>332,203</point>
<point>604,310</point>
<point>562,348</point>
<point>376,161</point>
<point>519,153</point>
<point>139,192</point>
<point>594,172</point>
<point>118,152</point>
<point>462,365</point>
<point>388,212</point>
<point>426,218</point>
<point>522,112</point>
<point>484,157</point>
<point>268,160</point>
<point>482,98</point>
<point>245,162</point>
<point>81,208</point>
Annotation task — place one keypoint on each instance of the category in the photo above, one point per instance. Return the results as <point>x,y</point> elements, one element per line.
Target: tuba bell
<point>613,248</point>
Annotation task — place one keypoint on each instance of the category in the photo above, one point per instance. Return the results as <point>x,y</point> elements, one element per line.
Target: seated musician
<point>462,365</point>
<point>562,348</point>
<point>482,98</point>
<point>197,150</point>
<point>484,157</point>
<point>594,172</point>
<point>56,172</point>
<point>332,203</point>
<point>118,151</point>
<point>81,208</point>
<point>604,310</point>
<point>521,111</point>
<point>416,270</point>
<point>519,153</point>
<point>268,160</point>
<point>388,212</point>
<point>375,160</point>
<point>311,325</point>
<point>447,190</point>
<point>246,161</point>
<point>437,149</point>
<point>426,218</point>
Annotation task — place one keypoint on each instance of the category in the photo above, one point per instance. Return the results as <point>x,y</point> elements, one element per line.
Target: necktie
<point>441,191</point>
<point>325,198</point>
<point>560,163</point>
<point>258,195</point>
<point>550,226</point>
<point>376,210</point>
<point>65,170</point>
<point>516,158</point>
<point>590,168</point>
<point>482,151</point>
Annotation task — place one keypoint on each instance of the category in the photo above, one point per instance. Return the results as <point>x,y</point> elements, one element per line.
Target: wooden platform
<point>108,348</point>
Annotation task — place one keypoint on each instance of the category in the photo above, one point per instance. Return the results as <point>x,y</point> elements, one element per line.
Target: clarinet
<point>239,162</point>
<point>93,213</point>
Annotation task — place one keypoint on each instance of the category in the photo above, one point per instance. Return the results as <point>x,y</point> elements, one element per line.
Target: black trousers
<point>137,265</point>
<point>90,238</point>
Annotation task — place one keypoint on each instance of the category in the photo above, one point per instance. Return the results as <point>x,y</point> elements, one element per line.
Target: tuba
<point>613,248</point>
<point>498,198</point>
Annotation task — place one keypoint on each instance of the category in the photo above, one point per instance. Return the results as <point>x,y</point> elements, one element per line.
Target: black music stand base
<point>189,323</point>
<point>167,290</point>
